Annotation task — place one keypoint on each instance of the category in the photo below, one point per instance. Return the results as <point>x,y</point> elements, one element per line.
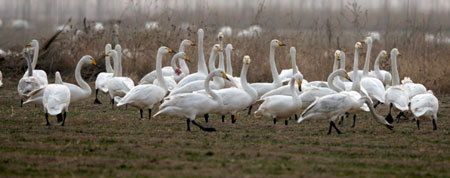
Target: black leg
<point>46,118</point>
<point>233,118</point>
<point>206,129</point>
<point>389,117</point>
<point>354,121</point>
<point>418,124</point>
<point>402,114</point>
<point>141,112</point>
<point>126,107</point>
<point>334,125</point>
<point>21,102</point>
<point>188,124</point>
<point>434,125</point>
<point>223,118</point>
<point>274,121</point>
<point>112,103</point>
<point>64,119</point>
<point>206,117</point>
<point>59,117</point>
<point>96,97</point>
<point>286,122</point>
<point>341,121</point>
<point>296,117</point>
<point>250,109</point>
<point>149,114</point>
<point>329,129</point>
<point>375,106</point>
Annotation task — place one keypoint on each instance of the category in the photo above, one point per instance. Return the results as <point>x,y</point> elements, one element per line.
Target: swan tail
<point>305,112</point>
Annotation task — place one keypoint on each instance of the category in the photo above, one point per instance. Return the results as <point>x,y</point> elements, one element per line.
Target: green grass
<point>97,141</point>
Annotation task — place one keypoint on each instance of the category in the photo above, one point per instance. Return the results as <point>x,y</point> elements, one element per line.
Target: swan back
<point>56,98</point>
<point>425,105</point>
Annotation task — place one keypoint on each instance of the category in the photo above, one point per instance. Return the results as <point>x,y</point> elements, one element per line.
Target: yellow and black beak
<point>218,48</point>
<point>93,62</point>
<point>338,56</point>
<point>360,45</point>
<point>281,43</point>
<point>299,85</point>
<point>187,59</point>
<point>108,54</point>
<point>385,56</point>
<point>348,77</point>
<point>398,54</point>
<point>192,43</point>
<point>225,76</point>
<point>234,118</point>
<point>365,40</point>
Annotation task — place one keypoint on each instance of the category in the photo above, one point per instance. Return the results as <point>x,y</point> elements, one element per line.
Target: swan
<point>201,65</point>
<point>170,70</point>
<point>217,83</point>
<point>412,88</point>
<point>361,73</point>
<point>171,80</point>
<point>227,30</point>
<point>145,96</point>
<point>237,99</point>
<point>189,105</point>
<point>55,98</point>
<point>221,58</point>
<point>425,106</point>
<point>334,105</point>
<point>102,77</point>
<point>286,74</point>
<point>282,106</point>
<point>82,90</point>
<point>285,90</point>
<point>117,85</point>
<point>39,74</point>
<point>228,50</point>
<point>28,82</point>
<point>395,96</point>
<point>118,49</point>
<point>382,75</point>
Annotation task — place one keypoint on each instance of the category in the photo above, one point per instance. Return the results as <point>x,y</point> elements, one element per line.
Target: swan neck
<point>35,54</point>
<point>294,64</point>
<point>30,67</point>
<point>330,82</point>
<point>376,67</point>
<point>294,91</point>
<point>83,85</point>
<point>395,76</point>
<point>116,66</point>
<point>250,90</point>
<point>335,63</point>
<point>159,75</point>
<point>221,61</point>
<point>201,65</point>
<point>342,61</point>
<point>173,63</point>
<point>119,56</point>
<point>229,70</point>
<point>367,62</point>
<point>208,89</point>
<point>355,85</point>
<point>181,48</point>
<point>273,66</point>
<point>108,66</point>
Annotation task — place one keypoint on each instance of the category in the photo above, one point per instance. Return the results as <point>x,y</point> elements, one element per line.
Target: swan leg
<point>233,118</point>
<point>21,102</point>
<point>149,114</point>
<point>341,121</point>
<point>400,115</point>
<point>188,124</point>
<point>206,117</point>
<point>286,122</point>
<point>333,125</point>
<point>59,117</point>
<point>223,118</point>
<point>274,121</point>
<point>112,104</point>
<point>418,124</point>
<point>250,110</point>
<point>296,117</point>
<point>354,121</point>
<point>46,118</point>
<point>141,112</point>
<point>389,116</point>
<point>206,129</point>
<point>64,119</point>
<point>375,106</point>
<point>96,101</point>
<point>434,124</point>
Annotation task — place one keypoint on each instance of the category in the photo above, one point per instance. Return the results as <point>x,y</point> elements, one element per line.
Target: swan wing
<point>424,104</point>
<point>143,96</point>
<point>189,88</point>
<point>56,98</point>
<point>191,78</point>
<point>102,79</point>
<point>397,96</point>
<point>374,87</point>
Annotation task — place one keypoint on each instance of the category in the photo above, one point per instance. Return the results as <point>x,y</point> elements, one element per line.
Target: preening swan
<point>29,82</point>
<point>201,65</point>
<point>117,85</point>
<point>102,77</point>
<point>282,106</point>
<point>189,105</point>
<point>39,74</point>
<point>425,106</point>
<point>171,71</point>
<point>145,96</point>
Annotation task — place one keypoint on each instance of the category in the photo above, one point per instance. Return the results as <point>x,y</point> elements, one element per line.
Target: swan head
<point>182,55</point>
<point>216,48</point>
<point>32,43</point>
<point>200,34</point>
<point>220,73</point>
<point>229,47</point>
<point>383,54</point>
<point>337,54</point>
<point>187,43</point>
<point>90,59</point>
<point>299,78</point>
<point>118,48</point>
<point>277,43</point>
<point>165,50</point>
<point>220,36</point>
<point>358,45</point>
<point>112,53</point>
<point>107,48</point>
<point>342,55</point>
<point>368,40</point>
<point>292,51</point>
<point>247,60</point>
<point>395,52</point>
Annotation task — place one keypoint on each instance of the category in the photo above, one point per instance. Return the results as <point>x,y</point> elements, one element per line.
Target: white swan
<point>413,88</point>
<point>285,90</point>
<point>335,105</point>
<point>82,90</point>
<point>189,105</point>
<point>282,106</point>
<point>286,74</point>
<point>221,57</point>
<point>170,70</point>
<point>171,81</point>
<point>425,106</point>
<point>395,96</point>
<point>382,75</point>
<point>118,49</point>
<point>217,83</point>
<point>102,77</point>
<point>145,96</point>
<point>234,81</point>
<point>201,65</point>
<point>237,99</point>
<point>39,74</point>
<point>28,82</point>
<point>117,85</point>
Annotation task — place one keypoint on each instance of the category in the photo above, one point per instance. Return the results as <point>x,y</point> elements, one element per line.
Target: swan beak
<point>348,77</point>
<point>281,43</point>
<point>299,85</point>
<point>220,35</point>
<point>225,76</point>
<point>385,56</point>
<point>398,54</point>
<point>360,45</point>
<point>192,43</point>
<point>365,40</point>
<point>29,44</point>
<point>338,56</point>
<point>107,54</point>
<point>93,62</point>
<point>170,50</point>
<point>187,59</point>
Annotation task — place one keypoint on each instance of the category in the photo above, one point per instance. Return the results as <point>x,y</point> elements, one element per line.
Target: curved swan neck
<point>395,76</point>
<point>355,85</point>
<point>342,61</point>
<point>221,60</point>
<point>330,81</point>
<point>108,66</point>
<point>30,66</point>
<point>335,63</point>
<point>294,92</point>
<point>212,66</point>
<point>208,89</point>
<point>273,66</point>
<point>229,70</point>
<point>376,66</point>
<point>113,54</point>
<point>201,65</point>
<point>35,53</point>
<point>181,48</point>
<point>250,90</point>
<point>183,64</point>
<point>173,63</point>
<point>159,75</point>
<point>367,62</point>
<point>83,85</point>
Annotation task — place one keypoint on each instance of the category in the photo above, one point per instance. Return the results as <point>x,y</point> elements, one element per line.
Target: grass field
<point>97,141</point>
